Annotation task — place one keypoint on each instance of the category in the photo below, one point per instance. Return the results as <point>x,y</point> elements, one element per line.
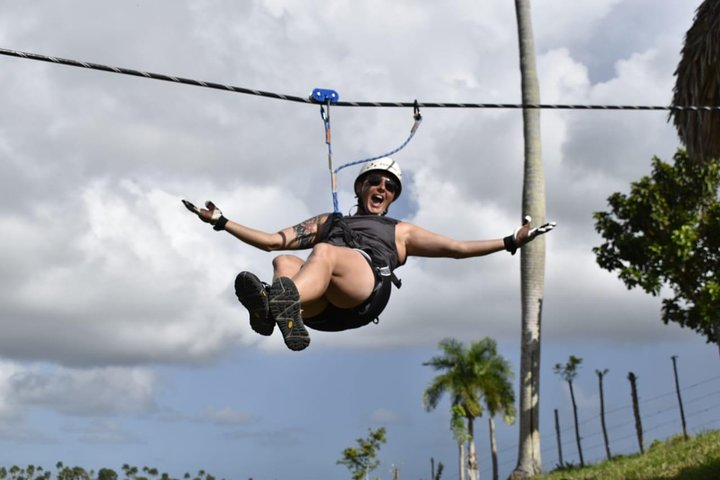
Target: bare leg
<point>338,275</point>
<point>286,266</point>
<point>289,266</point>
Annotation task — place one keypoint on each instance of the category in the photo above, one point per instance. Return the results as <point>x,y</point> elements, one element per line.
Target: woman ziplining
<point>346,280</point>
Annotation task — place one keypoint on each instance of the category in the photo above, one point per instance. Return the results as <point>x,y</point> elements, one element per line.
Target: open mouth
<point>377,200</point>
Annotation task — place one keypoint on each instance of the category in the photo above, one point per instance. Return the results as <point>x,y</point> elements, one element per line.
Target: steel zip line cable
<point>293,98</point>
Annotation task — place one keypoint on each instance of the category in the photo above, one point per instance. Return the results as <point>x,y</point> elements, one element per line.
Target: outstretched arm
<point>301,236</point>
<point>423,243</point>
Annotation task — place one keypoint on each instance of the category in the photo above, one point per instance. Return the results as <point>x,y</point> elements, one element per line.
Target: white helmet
<point>385,165</point>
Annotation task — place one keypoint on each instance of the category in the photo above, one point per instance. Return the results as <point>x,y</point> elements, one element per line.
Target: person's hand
<point>210,214</point>
<point>525,234</point>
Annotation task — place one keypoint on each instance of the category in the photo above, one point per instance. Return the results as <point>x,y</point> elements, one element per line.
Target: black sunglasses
<point>390,184</point>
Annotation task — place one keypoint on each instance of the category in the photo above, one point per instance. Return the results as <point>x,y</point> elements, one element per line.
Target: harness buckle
<point>386,272</point>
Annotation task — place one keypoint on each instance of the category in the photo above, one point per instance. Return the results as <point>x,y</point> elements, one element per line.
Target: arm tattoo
<point>305,234</point>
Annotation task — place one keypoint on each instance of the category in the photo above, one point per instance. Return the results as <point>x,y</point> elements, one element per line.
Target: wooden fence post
<point>636,410</point>
<point>601,374</point>
<point>677,389</point>
<point>559,443</point>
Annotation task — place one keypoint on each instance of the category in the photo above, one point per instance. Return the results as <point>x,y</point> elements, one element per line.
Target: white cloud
<point>88,392</point>
<point>105,274</point>
<point>139,280</point>
<point>9,409</point>
<point>571,21</point>
<point>135,276</point>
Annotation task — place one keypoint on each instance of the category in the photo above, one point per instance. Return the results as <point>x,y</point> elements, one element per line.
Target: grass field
<point>695,459</point>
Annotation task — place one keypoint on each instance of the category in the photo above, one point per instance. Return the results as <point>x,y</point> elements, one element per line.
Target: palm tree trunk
<point>472,453</point>
<point>493,448</point>
<point>532,261</point>
<point>461,460</point>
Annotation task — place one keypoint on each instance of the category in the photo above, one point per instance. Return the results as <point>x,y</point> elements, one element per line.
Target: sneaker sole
<point>250,291</point>
<point>285,309</point>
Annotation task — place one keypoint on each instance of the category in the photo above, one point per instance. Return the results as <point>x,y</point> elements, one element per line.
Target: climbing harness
<point>325,98</point>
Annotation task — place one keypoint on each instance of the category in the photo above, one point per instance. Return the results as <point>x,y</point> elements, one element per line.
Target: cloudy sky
<point>122,341</point>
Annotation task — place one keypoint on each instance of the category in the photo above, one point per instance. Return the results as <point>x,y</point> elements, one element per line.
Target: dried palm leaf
<point>698,83</point>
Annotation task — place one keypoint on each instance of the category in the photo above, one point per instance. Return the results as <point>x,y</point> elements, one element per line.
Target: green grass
<point>695,459</point>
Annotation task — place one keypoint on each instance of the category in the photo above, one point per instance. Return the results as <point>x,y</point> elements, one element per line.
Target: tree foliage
<point>569,371</point>
<point>469,376</point>
<point>475,378</point>
<point>362,460</point>
<point>63,472</point>
<point>666,233</point>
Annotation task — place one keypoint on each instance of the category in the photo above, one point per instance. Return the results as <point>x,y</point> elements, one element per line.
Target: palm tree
<point>698,83</point>
<point>460,434</point>
<point>532,257</point>
<point>468,376</point>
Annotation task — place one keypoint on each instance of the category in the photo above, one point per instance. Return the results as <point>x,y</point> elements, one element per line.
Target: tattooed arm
<point>298,237</point>
<point>303,235</point>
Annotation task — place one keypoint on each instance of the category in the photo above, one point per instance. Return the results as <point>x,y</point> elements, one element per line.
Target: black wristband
<point>220,224</point>
<point>510,244</point>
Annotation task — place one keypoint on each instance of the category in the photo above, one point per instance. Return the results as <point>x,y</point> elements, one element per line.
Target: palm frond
<point>698,83</point>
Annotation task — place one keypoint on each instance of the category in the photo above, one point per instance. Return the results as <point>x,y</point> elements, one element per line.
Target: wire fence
<point>660,416</point>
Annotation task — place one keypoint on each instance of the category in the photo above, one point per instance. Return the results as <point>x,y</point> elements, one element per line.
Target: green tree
<point>568,372</point>
<point>107,474</point>
<point>469,376</point>
<point>72,473</point>
<point>666,232</point>
<point>532,256</point>
<point>362,460</point>
<point>151,471</point>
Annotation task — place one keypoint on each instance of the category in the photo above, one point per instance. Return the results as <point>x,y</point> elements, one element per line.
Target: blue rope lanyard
<point>325,98</point>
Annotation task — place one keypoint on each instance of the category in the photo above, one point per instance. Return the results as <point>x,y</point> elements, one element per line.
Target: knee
<point>285,262</point>
<point>323,250</point>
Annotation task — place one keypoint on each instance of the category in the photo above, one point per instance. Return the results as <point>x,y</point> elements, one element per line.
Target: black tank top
<point>373,234</point>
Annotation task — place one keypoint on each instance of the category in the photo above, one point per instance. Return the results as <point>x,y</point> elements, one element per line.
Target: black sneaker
<point>285,309</point>
<point>252,293</point>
